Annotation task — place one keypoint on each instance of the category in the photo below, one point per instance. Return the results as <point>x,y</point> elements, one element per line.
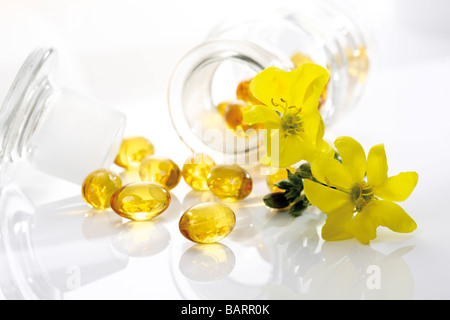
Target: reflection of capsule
<point>207,262</point>
<point>245,230</point>
<point>55,257</point>
<point>141,239</point>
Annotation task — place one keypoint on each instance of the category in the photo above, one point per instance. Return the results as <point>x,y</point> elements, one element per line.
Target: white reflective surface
<point>53,246</point>
<point>64,249</point>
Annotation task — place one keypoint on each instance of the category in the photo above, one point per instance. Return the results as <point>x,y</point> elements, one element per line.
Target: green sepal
<point>294,178</point>
<point>284,184</point>
<point>299,207</point>
<point>294,193</point>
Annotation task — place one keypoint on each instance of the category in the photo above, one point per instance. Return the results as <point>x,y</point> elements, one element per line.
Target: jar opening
<point>207,77</point>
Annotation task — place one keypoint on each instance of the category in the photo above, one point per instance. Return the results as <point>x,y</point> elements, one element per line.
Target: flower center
<point>292,123</point>
<point>362,195</point>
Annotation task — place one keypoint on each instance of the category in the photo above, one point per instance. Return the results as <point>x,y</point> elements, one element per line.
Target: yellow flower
<point>290,113</point>
<point>357,195</point>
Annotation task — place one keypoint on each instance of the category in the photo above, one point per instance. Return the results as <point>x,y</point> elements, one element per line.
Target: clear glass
<point>238,49</point>
<point>57,130</point>
<point>52,249</point>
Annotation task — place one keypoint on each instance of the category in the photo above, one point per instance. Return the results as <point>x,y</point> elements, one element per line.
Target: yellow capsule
<point>132,151</point>
<point>244,93</point>
<point>207,222</point>
<point>230,182</point>
<point>299,59</point>
<point>278,175</point>
<point>358,63</point>
<point>99,186</point>
<point>160,170</point>
<point>233,113</point>
<point>222,106</point>
<point>196,170</point>
<point>140,201</point>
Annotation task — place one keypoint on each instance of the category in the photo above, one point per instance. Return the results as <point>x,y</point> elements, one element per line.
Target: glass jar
<point>236,50</point>
<point>56,130</point>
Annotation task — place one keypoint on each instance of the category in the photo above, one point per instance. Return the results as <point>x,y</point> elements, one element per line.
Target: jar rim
<point>211,51</point>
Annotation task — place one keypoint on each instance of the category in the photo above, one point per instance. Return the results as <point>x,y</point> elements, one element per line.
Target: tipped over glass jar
<point>213,77</point>
<point>56,130</point>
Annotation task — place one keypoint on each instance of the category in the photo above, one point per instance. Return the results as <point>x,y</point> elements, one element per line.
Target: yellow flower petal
<point>332,173</point>
<point>353,157</point>
<point>313,133</point>
<point>312,125</point>
<point>321,131</point>
<point>328,200</point>
<point>300,87</point>
<point>263,114</point>
<point>391,215</point>
<point>337,224</point>
<point>309,82</point>
<point>398,188</point>
<point>336,204</point>
<point>292,149</point>
<point>377,167</point>
<point>272,145</point>
<point>363,226</point>
<point>286,149</point>
<point>324,149</point>
<point>380,213</point>
<point>271,86</point>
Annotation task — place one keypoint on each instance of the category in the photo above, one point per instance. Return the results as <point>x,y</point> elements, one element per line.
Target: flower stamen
<point>292,123</point>
<point>362,195</point>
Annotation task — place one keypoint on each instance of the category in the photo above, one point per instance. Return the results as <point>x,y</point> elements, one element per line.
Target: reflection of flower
<point>290,113</point>
<point>307,268</point>
<point>344,191</point>
<point>349,270</point>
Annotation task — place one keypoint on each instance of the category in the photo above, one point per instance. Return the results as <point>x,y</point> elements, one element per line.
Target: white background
<point>123,53</point>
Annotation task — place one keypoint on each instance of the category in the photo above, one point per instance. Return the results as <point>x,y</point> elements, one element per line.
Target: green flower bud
<point>276,200</point>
